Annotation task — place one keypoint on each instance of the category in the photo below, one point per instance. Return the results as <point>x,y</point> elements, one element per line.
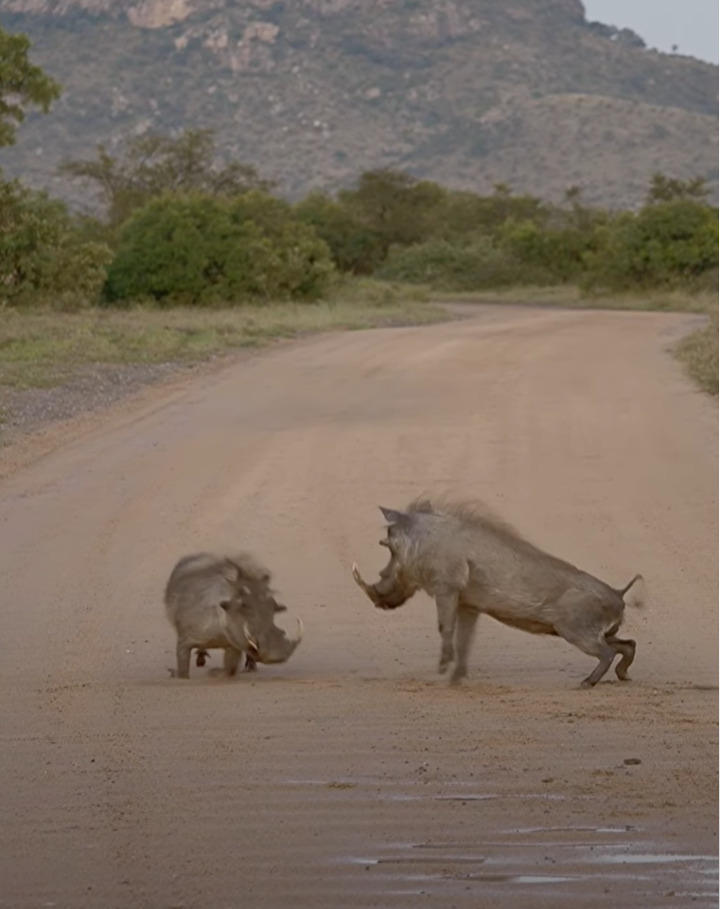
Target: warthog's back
<point>202,581</point>
<point>501,565</point>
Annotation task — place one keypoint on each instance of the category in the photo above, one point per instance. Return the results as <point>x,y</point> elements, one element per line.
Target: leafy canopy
<point>22,85</point>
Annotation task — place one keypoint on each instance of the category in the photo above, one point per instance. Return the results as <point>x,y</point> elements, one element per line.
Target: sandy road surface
<point>353,776</point>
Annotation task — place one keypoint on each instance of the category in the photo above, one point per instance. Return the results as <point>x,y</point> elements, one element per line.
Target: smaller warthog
<point>225,602</point>
<point>472,562</point>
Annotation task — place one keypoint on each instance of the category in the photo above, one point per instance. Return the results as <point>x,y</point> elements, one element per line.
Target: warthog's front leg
<point>447,607</point>
<point>183,659</point>
<point>466,621</point>
<point>231,660</point>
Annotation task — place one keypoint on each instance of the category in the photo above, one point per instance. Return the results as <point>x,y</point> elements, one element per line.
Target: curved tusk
<point>358,577</point>
<point>301,630</point>
<point>362,584</point>
<point>248,637</point>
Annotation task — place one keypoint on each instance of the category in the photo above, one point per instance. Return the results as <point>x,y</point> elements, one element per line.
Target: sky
<point>691,24</point>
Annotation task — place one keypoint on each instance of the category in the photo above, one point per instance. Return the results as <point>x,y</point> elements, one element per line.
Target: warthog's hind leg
<point>627,649</point>
<point>588,642</point>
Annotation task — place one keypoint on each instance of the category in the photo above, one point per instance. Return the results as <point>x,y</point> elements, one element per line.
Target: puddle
<point>537,856</point>
<point>651,859</point>
<point>608,830</point>
<point>541,879</point>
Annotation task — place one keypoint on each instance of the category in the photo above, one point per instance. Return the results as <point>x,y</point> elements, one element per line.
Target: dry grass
<point>44,348</point>
<point>568,297</point>
<point>699,353</point>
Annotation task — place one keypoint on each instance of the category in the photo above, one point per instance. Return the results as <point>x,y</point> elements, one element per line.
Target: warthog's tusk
<point>369,591</point>
<point>301,631</point>
<point>362,584</point>
<point>248,637</point>
<point>358,577</point>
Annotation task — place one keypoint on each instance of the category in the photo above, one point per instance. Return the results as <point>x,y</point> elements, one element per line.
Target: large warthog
<point>225,602</point>
<point>472,562</point>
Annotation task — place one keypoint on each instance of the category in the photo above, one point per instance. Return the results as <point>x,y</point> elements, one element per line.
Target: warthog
<point>471,562</point>
<point>225,601</point>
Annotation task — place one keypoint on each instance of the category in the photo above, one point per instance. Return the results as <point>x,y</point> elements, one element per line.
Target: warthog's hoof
<point>457,676</point>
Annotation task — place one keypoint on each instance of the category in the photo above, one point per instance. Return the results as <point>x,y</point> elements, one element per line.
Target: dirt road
<point>353,776</point>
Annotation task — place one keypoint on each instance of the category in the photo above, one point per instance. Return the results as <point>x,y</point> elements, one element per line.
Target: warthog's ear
<point>392,516</point>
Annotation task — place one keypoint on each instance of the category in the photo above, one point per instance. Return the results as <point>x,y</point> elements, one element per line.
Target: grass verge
<point>45,348</point>
<point>699,353</point>
<point>568,297</point>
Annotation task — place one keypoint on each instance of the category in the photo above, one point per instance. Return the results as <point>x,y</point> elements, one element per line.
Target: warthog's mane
<point>238,568</point>
<point>249,567</point>
<point>473,512</point>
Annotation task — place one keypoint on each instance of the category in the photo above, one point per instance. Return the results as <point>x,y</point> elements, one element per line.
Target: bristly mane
<point>473,513</point>
<point>468,511</point>
<point>248,566</point>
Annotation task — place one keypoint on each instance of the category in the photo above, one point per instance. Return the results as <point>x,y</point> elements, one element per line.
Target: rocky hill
<point>466,92</point>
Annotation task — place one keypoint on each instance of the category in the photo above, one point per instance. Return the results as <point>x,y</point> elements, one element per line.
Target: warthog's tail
<point>624,590</point>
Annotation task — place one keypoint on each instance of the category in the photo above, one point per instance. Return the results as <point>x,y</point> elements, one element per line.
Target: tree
<point>42,255</point>
<point>355,247</point>
<point>155,164</point>
<point>395,207</point>
<point>199,249</point>
<point>22,85</point>
<point>668,189</point>
<point>666,244</point>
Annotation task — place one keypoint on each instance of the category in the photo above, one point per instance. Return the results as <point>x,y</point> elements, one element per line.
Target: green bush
<point>355,246</point>
<point>665,244</point>
<point>43,255</point>
<point>447,266</point>
<point>559,252</point>
<point>202,250</point>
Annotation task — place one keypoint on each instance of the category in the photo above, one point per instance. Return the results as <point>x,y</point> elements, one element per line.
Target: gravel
<point>92,387</point>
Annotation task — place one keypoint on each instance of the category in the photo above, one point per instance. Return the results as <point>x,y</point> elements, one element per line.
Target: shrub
<point>201,250</point>
<point>42,254</point>
<point>447,266</point>
<point>665,244</point>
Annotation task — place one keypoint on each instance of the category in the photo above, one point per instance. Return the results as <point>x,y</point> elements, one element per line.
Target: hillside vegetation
<point>314,92</point>
<point>180,226</point>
